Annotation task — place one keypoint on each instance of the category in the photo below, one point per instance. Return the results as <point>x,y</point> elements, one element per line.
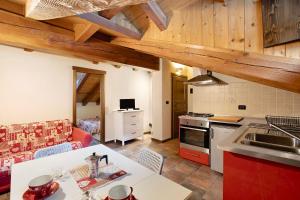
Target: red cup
<point>41,185</point>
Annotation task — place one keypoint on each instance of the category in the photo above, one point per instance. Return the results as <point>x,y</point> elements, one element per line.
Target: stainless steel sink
<point>280,143</point>
<point>273,139</point>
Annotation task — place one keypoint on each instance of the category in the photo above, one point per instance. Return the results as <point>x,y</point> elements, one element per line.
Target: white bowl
<point>119,192</point>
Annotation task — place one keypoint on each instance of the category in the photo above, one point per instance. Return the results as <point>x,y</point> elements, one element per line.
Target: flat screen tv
<point>127,104</point>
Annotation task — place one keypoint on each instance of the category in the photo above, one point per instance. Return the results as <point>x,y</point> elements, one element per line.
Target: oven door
<point>194,138</point>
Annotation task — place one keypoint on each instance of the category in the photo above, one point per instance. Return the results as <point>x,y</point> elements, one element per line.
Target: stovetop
<point>196,116</point>
<point>195,119</point>
<point>205,115</point>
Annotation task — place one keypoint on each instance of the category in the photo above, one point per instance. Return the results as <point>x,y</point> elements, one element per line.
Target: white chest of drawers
<point>128,125</point>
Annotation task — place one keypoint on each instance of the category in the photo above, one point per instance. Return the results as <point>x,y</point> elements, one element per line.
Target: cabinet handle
<point>133,133</point>
<point>133,124</point>
<point>133,116</point>
<point>195,155</point>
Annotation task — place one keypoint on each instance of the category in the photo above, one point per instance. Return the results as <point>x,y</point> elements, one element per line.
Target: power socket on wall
<point>242,107</point>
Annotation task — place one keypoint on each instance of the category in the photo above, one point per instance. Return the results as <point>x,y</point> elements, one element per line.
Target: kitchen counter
<point>231,145</point>
<point>244,121</point>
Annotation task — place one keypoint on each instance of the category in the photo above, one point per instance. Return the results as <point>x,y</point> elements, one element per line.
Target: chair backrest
<point>151,160</point>
<point>60,148</point>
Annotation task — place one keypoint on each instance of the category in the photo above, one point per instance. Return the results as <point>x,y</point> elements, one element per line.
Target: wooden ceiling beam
<point>91,94</point>
<point>83,82</point>
<point>12,7</point>
<point>109,14</point>
<point>84,32</point>
<point>108,26</point>
<point>268,70</point>
<point>22,32</point>
<point>155,13</point>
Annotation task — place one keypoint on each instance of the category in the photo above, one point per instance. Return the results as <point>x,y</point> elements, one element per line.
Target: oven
<point>195,135</point>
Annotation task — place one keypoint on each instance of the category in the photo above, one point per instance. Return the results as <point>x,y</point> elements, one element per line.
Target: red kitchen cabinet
<point>196,156</point>
<point>250,178</point>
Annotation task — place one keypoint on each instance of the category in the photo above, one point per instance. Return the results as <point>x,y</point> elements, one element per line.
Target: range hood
<point>205,79</point>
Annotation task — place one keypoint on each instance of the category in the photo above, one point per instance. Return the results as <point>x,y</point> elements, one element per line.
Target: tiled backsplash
<point>259,99</point>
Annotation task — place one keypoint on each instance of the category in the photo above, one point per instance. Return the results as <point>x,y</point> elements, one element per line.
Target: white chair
<point>151,160</point>
<point>60,148</point>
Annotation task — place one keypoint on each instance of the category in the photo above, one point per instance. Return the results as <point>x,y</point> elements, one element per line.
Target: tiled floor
<point>205,183</point>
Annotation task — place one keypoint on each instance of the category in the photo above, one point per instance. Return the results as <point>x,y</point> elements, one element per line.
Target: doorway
<point>89,101</point>
<point>179,101</point>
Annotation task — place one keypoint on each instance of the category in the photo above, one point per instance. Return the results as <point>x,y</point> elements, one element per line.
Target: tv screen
<point>127,103</point>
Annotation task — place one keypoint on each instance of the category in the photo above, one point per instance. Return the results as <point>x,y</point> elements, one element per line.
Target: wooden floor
<point>205,183</point>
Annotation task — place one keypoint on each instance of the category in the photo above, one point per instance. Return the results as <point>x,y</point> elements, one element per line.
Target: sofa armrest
<point>82,136</point>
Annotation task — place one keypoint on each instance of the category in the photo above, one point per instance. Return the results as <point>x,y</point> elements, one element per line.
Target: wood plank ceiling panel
<point>155,13</point>
<point>22,32</point>
<point>107,26</point>
<point>277,72</point>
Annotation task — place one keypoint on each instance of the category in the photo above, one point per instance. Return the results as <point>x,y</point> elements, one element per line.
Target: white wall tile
<point>260,100</point>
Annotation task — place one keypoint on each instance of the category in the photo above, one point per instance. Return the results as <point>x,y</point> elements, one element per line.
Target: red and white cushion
<point>25,137</point>
<point>7,161</point>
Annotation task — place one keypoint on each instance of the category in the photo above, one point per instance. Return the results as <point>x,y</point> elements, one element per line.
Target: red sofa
<point>19,142</point>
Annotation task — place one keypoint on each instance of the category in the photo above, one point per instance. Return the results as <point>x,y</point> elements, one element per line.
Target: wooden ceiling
<point>89,89</point>
<point>103,37</point>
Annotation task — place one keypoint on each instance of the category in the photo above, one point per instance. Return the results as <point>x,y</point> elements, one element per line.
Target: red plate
<point>30,195</point>
<point>130,198</point>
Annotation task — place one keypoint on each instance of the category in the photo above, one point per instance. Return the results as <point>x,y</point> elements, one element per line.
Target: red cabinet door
<point>250,178</point>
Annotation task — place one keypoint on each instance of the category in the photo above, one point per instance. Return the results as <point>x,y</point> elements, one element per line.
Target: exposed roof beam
<point>273,71</point>
<point>22,32</point>
<point>91,94</point>
<point>84,32</point>
<point>108,14</point>
<point>82,82</point>
<point>12,7</point>
<point>108,26</point>
<point>155,13</point>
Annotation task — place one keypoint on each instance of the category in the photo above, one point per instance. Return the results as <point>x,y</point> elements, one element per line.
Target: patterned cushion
<point>7,161</point>
<point>76,145</point>
<point>25,137</point>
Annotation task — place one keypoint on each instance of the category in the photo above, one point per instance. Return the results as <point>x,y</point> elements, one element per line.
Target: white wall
<point>90,110</point>
<point>37,86</point>
<point>157,116</point>
<point>162,92</point>
<point>260,100</point>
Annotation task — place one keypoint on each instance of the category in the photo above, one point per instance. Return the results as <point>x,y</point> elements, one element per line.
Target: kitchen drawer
<point>196,156</point>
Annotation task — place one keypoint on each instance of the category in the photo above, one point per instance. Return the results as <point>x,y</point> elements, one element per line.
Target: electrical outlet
<point>242,107</point>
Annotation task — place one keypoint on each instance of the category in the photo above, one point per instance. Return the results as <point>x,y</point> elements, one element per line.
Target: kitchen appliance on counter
<point>194,136</point>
